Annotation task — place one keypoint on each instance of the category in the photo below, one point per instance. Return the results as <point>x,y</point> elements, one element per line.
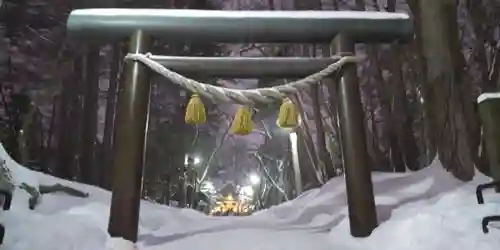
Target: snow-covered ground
<point>424,210</point>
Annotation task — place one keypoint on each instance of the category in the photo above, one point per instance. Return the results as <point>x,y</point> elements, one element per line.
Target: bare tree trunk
<point>395,154</point>
<point>331,84</point>
<point>305,141</point>
<point>421,67</point>
<point>47,155</point>
<point>478,18</point>
<point>67,123</point>
<point>401,117</point>
<point>455,124</point>
<point>88,169</point>
<point>109,121</point>
<point>325,161</point>
<point>489,67</point>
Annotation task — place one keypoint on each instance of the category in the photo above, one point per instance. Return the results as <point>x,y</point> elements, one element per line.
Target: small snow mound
<point>120,244</point>
<point>20,174</point>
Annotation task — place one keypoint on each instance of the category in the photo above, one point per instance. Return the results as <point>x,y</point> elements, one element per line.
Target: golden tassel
<point>242,123</point>
<point>288,117</point>
<point>195,111</point>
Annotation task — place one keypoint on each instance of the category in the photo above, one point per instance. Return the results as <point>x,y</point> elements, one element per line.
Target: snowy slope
<point>424,210</point>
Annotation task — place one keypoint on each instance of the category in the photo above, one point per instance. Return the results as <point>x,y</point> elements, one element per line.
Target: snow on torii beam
<point>240,26</point>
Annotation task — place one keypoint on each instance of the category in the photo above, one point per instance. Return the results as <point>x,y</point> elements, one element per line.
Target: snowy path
<point>425,210</point>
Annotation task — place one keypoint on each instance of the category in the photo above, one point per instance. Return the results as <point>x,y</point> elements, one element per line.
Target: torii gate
<point>141,25</point>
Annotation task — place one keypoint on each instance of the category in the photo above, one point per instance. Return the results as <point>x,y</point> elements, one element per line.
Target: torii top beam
<point>240,26</point>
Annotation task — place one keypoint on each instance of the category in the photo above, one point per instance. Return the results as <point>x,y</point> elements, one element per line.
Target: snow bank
<point>19,173</point>
<point>487,96</point>
<point>444,214</point>
<point>427,210</point>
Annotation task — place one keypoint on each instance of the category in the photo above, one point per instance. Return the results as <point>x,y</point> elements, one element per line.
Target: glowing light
<point>247,191</point>
<point>293,138</point>
<point>254,179</point>
<point>196,160</point>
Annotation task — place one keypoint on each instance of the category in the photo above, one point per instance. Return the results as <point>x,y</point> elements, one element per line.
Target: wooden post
<point>360,199</point>
<point>489,110</point>
<point>130,140</point>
